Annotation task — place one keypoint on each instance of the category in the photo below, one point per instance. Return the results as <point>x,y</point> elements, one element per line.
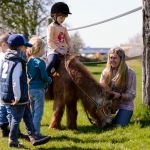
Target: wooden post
<point>146,52</point>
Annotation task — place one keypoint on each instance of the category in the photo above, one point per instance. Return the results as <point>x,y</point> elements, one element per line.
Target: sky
<point>110,34</point>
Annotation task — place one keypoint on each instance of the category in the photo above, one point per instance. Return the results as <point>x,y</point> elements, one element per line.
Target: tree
<point>24,16</point>
<point>146,52</point>
<point>77,42</point>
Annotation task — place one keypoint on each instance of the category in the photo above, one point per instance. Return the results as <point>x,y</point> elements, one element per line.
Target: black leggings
<point>53,62</point>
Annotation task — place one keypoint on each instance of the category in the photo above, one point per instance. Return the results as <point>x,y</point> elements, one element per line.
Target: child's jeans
<point>122,117</point>
<point>37,107</point>
<point>5,115</point>
<point>18,112</point>
<point>52,62</point>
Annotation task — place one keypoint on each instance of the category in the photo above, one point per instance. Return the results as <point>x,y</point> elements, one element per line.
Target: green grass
<point>136,136</point>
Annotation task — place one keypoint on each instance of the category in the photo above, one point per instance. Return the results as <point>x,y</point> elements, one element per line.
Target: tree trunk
<point>146,52</point>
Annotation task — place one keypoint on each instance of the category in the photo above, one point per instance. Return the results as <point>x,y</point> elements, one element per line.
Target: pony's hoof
<point>54,127</point>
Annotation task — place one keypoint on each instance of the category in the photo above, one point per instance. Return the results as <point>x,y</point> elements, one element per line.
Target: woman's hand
<point>116,95</point>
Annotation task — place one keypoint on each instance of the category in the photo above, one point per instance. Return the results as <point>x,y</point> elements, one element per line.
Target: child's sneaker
<point>46,138</point>
<point>40,140</point>
<point>15,144</point>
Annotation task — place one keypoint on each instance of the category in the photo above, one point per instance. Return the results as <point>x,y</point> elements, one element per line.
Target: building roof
<point>92,50</point>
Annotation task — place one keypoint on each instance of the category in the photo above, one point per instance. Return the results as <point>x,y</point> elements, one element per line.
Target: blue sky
<point>109,34</point>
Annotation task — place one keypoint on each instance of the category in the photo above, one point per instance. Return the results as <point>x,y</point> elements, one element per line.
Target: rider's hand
<point>61,52</point>
<point>14,102</point>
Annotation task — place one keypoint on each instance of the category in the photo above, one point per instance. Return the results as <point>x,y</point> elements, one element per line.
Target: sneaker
<point>47,138</point>
<point>24,136</point>
<point>15,144</point>
<point>39,140</point>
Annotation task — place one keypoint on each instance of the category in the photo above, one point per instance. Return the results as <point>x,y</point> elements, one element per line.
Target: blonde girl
<point>38,80</point>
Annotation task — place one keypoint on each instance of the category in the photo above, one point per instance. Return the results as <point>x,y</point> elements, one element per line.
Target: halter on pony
<point>101,107</point>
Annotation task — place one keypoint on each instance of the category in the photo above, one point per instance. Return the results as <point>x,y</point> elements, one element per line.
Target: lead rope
<point>97,105</point>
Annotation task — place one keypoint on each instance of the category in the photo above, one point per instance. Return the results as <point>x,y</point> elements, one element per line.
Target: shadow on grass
<point>85,129</point>
<point>76,140</point>
<point>82,129</point>
<point>144,122</point>
<point>89,128</point>
<point>96,73</point>
<point>143,117</point>
<point>45,125</point>
<point>66,148</point>
<point>67,138</point>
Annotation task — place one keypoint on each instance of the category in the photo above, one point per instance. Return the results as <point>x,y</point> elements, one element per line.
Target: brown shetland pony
<point>75,82</point>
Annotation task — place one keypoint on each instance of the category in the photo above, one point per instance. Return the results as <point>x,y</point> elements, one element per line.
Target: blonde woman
<point>121,81</point>
<point>36,70</point>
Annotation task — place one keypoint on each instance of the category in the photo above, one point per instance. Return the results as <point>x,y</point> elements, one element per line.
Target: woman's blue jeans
<point>122,117</point>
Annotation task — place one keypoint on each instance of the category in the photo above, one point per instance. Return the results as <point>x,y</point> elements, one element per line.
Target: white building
<point>90,52</point>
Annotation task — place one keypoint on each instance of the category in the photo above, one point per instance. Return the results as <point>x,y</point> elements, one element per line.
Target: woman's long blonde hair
<point>121,77</point>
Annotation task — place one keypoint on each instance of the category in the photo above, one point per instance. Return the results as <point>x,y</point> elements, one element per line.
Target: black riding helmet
<point>60,8</point>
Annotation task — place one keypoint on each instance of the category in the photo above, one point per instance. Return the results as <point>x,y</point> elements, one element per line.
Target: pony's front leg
<point>58,110</point>
<point>72,114</point>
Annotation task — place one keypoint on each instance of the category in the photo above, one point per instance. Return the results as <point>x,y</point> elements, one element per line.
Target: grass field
<point>136,136</point>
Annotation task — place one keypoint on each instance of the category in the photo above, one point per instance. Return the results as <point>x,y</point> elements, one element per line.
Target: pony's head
<point>101,110</point>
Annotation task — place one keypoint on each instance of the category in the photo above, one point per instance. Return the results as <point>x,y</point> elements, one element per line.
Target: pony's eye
<point>109,107</point>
